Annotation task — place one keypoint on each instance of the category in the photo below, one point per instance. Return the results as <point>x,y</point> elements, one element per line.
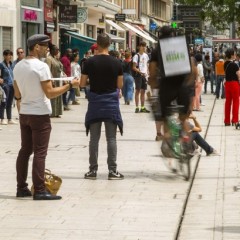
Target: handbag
<point>2,95</point>
<point>52,182</point>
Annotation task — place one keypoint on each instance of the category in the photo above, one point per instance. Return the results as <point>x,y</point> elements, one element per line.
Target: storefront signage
<point>120,17</point>
<point>48,10</point>
<point>153,26</point>
<point>82,14</point>
<point>30,15</point>
<point>68,13</point>
<point>198,41</point>
<point>101,21</point>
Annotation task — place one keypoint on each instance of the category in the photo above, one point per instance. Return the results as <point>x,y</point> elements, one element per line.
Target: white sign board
<point>129,11</point>
<point>207,51</point>
<point>175,56</point>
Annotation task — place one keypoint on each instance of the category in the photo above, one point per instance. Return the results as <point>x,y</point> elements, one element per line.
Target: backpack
<point>134,73</point>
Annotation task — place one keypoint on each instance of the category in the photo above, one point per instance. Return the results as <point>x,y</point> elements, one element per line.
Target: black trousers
<point>35,135</point>
<point>180,92</point>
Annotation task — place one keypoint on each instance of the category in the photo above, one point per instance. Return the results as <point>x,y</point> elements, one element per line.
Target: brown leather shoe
<point>24,193</point>
<point>45,196</point>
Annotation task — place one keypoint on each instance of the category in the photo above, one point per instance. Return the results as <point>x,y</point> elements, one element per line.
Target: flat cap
<point>37,39</point>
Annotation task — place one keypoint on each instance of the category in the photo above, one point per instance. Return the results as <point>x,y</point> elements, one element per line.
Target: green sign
<point>174,25</point>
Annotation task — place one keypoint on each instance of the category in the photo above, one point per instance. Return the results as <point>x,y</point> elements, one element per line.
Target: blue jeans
<point>208,78</point>
<point>219,85</point>
<point>128,83</point>
<point>9,91</point>
<point>71,96</point>
<point>195,136</point>
<point>95,134</point>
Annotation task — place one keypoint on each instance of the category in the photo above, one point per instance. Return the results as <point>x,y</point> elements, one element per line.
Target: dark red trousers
<point>35,135</point>
<point>232,101</point>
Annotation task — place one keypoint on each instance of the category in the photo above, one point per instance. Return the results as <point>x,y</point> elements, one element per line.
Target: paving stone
<point>146,205</point>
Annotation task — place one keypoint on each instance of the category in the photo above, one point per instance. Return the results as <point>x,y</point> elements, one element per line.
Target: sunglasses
<point>19,52</point>
<point>43,44</point>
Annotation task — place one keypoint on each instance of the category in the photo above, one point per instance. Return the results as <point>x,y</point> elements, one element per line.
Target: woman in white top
<point>75,67</point>
<point>198,83</point>
<point>75,72</point>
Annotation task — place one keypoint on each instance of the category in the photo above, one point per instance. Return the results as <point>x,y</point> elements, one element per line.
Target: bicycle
<point>176,144</point>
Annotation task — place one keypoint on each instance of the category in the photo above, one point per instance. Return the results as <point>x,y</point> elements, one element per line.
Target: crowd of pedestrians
<point>105,76</point>
<point>223,73</point>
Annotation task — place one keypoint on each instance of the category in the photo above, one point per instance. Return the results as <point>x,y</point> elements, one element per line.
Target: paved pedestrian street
<point>147,205</point>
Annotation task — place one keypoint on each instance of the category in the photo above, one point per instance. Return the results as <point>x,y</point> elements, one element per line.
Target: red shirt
<point>66,65</point>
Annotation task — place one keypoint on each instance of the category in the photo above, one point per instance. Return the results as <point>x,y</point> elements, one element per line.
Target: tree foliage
<point>219,12</point>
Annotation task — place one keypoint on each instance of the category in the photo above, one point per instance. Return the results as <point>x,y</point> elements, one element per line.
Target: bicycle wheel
<point>184,166</point>
<point>171,164</point>
<point>168,155</point>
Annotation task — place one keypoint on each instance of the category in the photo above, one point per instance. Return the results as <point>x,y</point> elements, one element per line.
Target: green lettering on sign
<point>174,25</point>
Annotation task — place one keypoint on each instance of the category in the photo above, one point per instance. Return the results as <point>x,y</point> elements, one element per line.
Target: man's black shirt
<point>103,71</point>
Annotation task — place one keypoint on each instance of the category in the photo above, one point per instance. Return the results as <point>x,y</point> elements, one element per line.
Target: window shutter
<point>7,38</point>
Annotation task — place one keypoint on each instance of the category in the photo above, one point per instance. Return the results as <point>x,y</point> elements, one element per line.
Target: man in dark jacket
<point>106,79</point>
<point>207,69</point>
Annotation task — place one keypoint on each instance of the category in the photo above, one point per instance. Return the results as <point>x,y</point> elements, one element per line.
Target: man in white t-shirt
<point>140,70</point>
<point>33,90</point>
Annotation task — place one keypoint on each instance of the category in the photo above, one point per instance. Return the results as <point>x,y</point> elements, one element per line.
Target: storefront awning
<point>80,42</point>
<point>81,37</point>
<point>138,32</point>
<point>113,24</point>
<point>147,33</point>
<point>115,38</point>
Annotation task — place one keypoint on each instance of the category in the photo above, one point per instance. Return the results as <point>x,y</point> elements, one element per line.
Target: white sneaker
<point>214,153</point>
<point>4,122</point>
<point>10,121</point>
<point>202,104</point>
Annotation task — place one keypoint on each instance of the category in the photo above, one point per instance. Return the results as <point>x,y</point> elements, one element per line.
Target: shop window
<point>163,10</point>
<point>145,6</point>
<point>31,3</point>
<point>100,30</point>
<point>7,38</point>
<point>28,29</point>
<point>156,8</point>
<point>90,31</point>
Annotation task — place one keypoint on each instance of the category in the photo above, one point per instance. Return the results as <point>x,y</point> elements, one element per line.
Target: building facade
<point>189,19</point>
<point>31,19</point>
<point>8,26</point>
<point>126,21</point>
